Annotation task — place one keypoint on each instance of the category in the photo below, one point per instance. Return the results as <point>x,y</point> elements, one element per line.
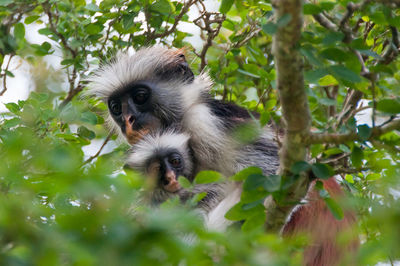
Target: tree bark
<point>295,110</point>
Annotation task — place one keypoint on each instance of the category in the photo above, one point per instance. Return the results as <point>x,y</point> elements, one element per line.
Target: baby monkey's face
<point>165,169</point>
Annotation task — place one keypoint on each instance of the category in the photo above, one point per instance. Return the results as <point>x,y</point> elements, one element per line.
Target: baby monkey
<point>162,158</point>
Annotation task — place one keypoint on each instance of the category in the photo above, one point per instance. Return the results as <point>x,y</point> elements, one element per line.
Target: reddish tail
<point>315,220</point>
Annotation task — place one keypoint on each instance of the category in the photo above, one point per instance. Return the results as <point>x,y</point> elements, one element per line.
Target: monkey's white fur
<point>141,66</point>
<point>214,148</point>
<point>147,147</point>
<point>213,144</point>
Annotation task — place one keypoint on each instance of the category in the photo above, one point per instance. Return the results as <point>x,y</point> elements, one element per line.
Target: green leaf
<point>342,72</point>
<point>249,196</point>
<point>89,117</point>
<point>311,9</point>
<point>255,222</point>
<point>92,7</point>
<point>67,61</point>
<point>373,176</point>
<point>322,171</point>
<point>364,132</point>
<point>5,2</point>
<point>334,54</point>
<point>265,118</point>
<point>344,148</point>
<point>390,106</point>
<point>237,213</point>
<point>332,37</point>
<point>284,20</point>
<point>299,167</point>
<point>42,49</point>
<point>12,122</point>
<point>327,80</point>
<point>272,183</point>
<point>19,31</point>
<point>270,28</point>
<point>225,6</point>
<point>253,204</point>
<point>251,94</point>
<point>31,19</point>
<point>319,185</point>
<point>327,101</point>
<point>327,6</point>
<point>198,197</point>
<point>184,182</point>
<point>357,155</point>
<point>163,7</point>
<point>314,76</point>
<point>349,178</point>
<point>13,107</point>
<point>247,132</point>
<point>45,31</point>
<point>245,173</point>
<point>308,53</point>
<point>248,73</point>
<point>205,177</point>
<point>369,53</point>
<point>84,132</point>
<point>9,73</point>
<point>253,182</point>
<point>94,29</point>
<point>335,208</point>
<point>41,97</point>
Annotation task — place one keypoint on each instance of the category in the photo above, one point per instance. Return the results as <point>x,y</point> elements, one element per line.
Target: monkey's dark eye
<point>115,107</point>
<point>141,96</point>
<point>175,161</point>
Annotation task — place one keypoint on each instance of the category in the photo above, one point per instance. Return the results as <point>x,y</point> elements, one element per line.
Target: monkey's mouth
<point>133,136</point>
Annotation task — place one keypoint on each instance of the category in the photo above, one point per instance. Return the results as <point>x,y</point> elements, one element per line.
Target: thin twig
<point>205,22</point>
<point>178,18</point>
<point>54,29</point>
<point>5,75</point>
<point>91,158</point>
<point>394,47</point>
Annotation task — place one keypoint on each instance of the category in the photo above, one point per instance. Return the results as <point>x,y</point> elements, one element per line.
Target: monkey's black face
<point>132,109</point>
<point>167,167</point>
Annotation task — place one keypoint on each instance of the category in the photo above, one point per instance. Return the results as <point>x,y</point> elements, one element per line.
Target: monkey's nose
<point>129,120</point>
<point>170,183</point>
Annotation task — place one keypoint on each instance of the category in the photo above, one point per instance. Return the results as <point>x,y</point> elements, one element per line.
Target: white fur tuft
<point>146,148</point>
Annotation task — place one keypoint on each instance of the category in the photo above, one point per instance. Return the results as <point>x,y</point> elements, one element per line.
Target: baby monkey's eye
<point>175,161</point>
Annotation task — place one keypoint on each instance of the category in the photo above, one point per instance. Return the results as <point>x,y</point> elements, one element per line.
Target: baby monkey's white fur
<point>221,197</point>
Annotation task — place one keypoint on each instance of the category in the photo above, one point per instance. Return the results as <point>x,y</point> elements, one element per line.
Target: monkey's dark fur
<point>174,96</point>
<point>154,89</point>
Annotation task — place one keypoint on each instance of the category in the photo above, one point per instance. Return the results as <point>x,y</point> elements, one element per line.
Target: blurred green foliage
<point>59,206</point>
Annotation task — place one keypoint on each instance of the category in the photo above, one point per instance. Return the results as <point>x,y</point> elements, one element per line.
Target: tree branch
<point>353,136</point>
<point>5,75</point>
<point>295,110</point>
<point>325,22</point>
<point>91,158</point>
<point>178,18</point>
<point>205,22</point>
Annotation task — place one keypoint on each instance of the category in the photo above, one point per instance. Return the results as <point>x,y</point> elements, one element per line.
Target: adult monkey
<point>155,88</point>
